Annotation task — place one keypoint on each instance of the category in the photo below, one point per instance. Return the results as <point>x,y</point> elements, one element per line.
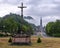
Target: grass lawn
<point>46,43</point>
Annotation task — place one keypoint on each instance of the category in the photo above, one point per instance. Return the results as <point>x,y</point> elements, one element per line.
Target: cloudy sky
<point>48,9</point>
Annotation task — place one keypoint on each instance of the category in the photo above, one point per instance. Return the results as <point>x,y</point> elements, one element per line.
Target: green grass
<point>46,43</point>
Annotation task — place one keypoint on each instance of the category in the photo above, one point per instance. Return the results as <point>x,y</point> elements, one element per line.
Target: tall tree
<point>53,28</point>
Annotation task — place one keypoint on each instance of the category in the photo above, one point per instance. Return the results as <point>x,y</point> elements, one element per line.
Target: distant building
<point>41,27</point>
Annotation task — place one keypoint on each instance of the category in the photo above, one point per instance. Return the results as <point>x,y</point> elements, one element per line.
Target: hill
<point>12,22</point>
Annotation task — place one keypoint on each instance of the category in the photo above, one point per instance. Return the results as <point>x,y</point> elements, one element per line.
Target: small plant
<point>39,40</point>
<point>2,35</point>
<point>10,40</point>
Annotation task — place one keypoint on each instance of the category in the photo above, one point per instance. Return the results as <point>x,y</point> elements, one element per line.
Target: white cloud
<point>1,0</point>
<point>7,8</point>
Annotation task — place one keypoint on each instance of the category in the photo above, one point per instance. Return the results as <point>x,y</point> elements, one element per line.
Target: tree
<point>49,28</point>
<point>11,22</point>
<point>10,25</point>
<point>53,28</point>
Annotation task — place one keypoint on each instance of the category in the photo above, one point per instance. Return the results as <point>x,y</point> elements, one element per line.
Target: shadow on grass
<point>20,44</point>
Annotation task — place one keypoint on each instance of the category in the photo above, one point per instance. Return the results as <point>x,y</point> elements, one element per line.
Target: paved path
<point>42,34</point>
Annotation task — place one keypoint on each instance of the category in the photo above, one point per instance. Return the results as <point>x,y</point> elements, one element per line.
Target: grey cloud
<point>34,2</point>
<point>35,10</point>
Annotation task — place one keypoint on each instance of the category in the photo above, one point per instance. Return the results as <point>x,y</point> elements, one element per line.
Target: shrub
<point>10,40</point>
<point>2,35</point>
<point>39,40</point>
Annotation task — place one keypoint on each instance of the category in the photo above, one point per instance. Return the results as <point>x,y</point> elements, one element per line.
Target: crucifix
<point>22,9</point>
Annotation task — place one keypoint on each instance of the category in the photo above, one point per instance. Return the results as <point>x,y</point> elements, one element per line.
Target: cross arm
<point>22,7</point>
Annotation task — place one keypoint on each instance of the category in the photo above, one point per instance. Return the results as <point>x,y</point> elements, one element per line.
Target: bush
<point>39,40</point>
<point>10,40</point>
<point>2,35</point>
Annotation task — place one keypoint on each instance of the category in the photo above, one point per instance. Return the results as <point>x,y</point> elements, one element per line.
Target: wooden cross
<point>22,9</point>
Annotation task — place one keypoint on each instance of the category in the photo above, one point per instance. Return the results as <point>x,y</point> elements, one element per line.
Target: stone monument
<point>21,37</point>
